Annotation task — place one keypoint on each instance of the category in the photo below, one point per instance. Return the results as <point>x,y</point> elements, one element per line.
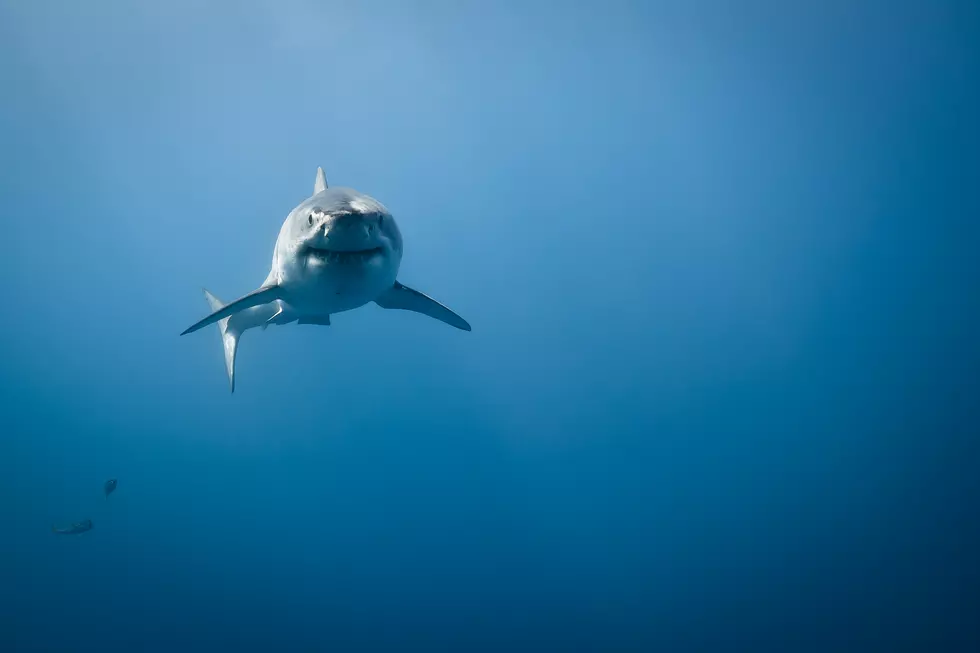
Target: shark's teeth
<point>344,257</point>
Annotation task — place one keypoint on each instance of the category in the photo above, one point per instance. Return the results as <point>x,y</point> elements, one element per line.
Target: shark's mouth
<point>335,256</point>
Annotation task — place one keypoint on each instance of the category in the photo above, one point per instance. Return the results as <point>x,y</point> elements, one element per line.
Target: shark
<point>337,250</point>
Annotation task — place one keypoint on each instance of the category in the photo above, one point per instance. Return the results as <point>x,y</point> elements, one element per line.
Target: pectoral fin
<point>263,295</point>
<point>404,298</point>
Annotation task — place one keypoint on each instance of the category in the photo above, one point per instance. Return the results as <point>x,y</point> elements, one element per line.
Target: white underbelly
<point>338,288</point>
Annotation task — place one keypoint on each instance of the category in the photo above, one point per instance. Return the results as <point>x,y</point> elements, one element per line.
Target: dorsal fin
<point>321,182</point>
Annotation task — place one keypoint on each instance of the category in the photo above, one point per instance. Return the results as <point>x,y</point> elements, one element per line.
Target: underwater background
<point>721,263</point>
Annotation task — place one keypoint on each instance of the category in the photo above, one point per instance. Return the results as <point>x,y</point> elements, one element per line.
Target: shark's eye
<point>381,219</point>
<point>310,219</point>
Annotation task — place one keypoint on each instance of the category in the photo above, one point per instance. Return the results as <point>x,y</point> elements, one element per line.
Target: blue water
<point>721,264</point>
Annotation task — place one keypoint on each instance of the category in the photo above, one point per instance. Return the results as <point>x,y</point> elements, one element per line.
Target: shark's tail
<point>229,338</point>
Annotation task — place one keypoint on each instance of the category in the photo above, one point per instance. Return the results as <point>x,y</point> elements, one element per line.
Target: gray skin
<point>74,529</point>
<point>338,250</point>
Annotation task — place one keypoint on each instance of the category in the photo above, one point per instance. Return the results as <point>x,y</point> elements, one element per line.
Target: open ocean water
<point>720,259</point>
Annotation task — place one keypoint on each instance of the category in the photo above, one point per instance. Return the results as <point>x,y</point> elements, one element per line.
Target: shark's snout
<point>351,232</point>
<point>347,238</point>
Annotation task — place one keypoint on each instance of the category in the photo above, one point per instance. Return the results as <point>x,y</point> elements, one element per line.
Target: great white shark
<point>337,250</point>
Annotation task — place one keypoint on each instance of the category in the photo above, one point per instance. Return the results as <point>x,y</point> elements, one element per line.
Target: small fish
<point>74,529</point>
<point>109,487</point>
